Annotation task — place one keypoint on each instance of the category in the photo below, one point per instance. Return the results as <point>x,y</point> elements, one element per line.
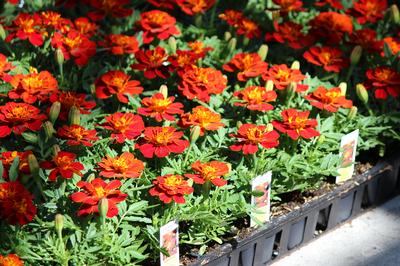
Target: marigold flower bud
<point>74,116</point>
<point>362,93</point>
<point>194,134</point>
<point>270,127</point>
<point>90,178</point>
<point>295,65</point>
<point>269,85</point>
<point>2,32</point>
<point>30,137</point>
<point>103,209</point>
<point>356,55</point>
<point>263,52</point>
<point>232,45</point>
<point>227,36</point>
<point>33,164</point>
<point>321,139</point>
<point>172,44</point>
<point>276,15</point>
<point>395,14</point>
<point>291,88</point>
<point>54,111</point>
<point>352,113</point>
<point>48,129</point>
<point>343,88</point>
<point>164,91</point>
<point>59,224</point>
<point>59,57</point>
<point>56,149</point>
<point>239,124</point>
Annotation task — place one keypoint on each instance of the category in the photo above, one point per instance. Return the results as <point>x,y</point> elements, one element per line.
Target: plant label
<point>262,204</point>
<point>348,147</point>
<point>169,240</point>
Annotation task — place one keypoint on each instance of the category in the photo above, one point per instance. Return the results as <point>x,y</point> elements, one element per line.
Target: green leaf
<point>1,171</point>
<point>13,173</point>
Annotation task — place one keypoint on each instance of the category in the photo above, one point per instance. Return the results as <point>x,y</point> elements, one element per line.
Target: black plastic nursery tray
<point>286,232</point>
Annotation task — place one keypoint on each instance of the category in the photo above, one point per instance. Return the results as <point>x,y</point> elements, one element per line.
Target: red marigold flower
<point>13,2</point>
<point>161,141</point>
<point>26,26</point>
<point>120,44</point>
<point>289,5</point>
<point>255,98</point>
<point>124,166</point>
<point>366,38</point>
<point>368,10</point>
<point>84,26</point>
<point>232,17</point>
<point>152,62</point>
<point>11,259</point>
<point>76,45</point>
<point>203,117</point>
<point>124,126</point>
<point>113,8</point>
<point>328,99</point>
<point>160,107</point>
<point>248,28</point>
<point>384,80</point>
<point>332,3</point>
<point>193,7</point>
<point>167,4</point>
<point>33,87</point>
<point>249,65</point>
<point>331,26</point>
<point>393,44</point>
<point>211,171</point>
<point>69,99</point>
<point>198,82</point>
<point>156,23</point>
<point>77,135</point>
<point>183,59</point>
<point>291,33</point>
<point>95,191</point>
<point>16,204</point>
<point>8,157</point>
<point>296,124</point>
<point>331,59</point>
<point>54,20</point>
<point>171,188</point>
<point>63,164</point>
<point>282,76</point>
<point>116,82</point>
<point>18,117</point>
<point>250,135</point>
<point>4,68</point>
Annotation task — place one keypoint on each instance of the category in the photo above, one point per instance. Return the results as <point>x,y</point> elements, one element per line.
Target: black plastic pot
<point>289,231</point>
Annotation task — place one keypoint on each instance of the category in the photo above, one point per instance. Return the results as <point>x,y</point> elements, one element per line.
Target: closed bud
<point>59,57</point>
<point>395,14</point>
<point>276,15</point>
<point>103,209</point>
<point>295,65</point>
<point>172,44</point>
<point>54,111</point>
<point>194,134</point>
<point>74,116</point>
<point>239,124</point>
<point>270,127</point>
<point>48,129</point>
<point>343,88</point>
<point>59,224</point>
<point>164,91</point>
<point>30,137</point>
<point>56,149</point>
<point>227,36</point>
<point>269,85</point>
<point>321,139</point>
<point>362,93</point>
<point>263,52</point>
<point>355,55</point>
<point>292,88</point>
<point>352,113</point>
<point>93,89</point>
<point>90,178</point>
<point>2,33</point>
<point>229,167</point>
<point>232,45</point>
<point>33,165</point>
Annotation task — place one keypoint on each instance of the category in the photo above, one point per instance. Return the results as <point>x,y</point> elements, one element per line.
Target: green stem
<point>187,154</point>
<point>214,9</point>
<point>206,190</point>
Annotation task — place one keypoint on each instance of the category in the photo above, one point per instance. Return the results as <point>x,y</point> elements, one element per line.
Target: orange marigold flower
<point>76,45</point>
<point>95,191</point>
<point>27,27</point>
<point>63,164</point>
<point>291,33</point>
<point>124,126</point>
<point>331,59</point>
<point>289,5</point>
<point>54,20</point>
<point>248,65</point>
<point>232,17</point>
<point>8,157</point>
<point>199,49</point>
<point>161,141</point>
<point>120,44</point>
<point>255,98</point>
<point>171,188</point>
<point>203,117</point>
<point>248,28</point>
<point>167,4</point>
<point>84,26</point>
<point>393,44</point>
<point>367,39</point>
<point>152,62</point>
<point>296,124</point>
<point>18,117</point>
<point>125,166</point>
<point>193,7</point>
<point>384,80</point>
<point>332,3</point>
<point>328,99</point>
<point>33,87</point>
<point>69,99</point>
<point>113,8</point>
<point>282,76</point>
<point>16,204</point>
<point>331,26</point>
<point>368,10</point>
<point>198,82</point>
<point>250,135</point>
<point>116,82</point>
<point>183,59</point>
<point>156,23</point>
<point>211,171</point>
<point>4,68</point>
<point>77,135</point>
<point>160,107</point>
<point>11,259</point>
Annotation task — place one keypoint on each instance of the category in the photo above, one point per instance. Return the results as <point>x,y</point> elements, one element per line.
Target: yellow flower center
<point>160,104</point>
<point>100,192</point>
<point>163,137</point>
<point>120,165</point>
<point>173,181</point>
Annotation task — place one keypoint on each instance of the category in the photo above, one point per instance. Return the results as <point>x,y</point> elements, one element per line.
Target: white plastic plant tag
<point>262,204</point>
<point>169,239</point>
<point>348,148</point>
